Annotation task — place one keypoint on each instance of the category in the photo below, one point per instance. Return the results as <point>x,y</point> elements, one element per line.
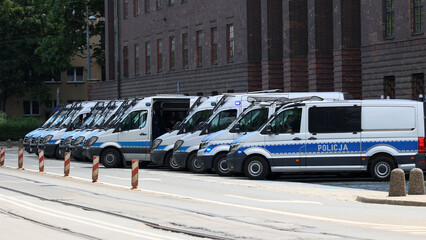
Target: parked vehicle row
<point>261,134</point>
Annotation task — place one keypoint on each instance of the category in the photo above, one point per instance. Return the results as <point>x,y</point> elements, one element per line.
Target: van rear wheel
<point>256,167</point>
<point>221,166</point>
<point>381,168</point>
<point>111,158</point>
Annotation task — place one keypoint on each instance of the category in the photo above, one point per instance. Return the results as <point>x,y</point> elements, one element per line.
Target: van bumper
<point>91,152</point>
<point>235,161</point>
<point>62,150</point>
<point>420,159</point>
<point>206,161</point>
<point>180,158</point>
<point>157,157</point>
<point>49,149</point>
<point>77,152</point>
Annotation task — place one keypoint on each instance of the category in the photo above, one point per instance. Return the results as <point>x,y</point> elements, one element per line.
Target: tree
<point>37,39</point>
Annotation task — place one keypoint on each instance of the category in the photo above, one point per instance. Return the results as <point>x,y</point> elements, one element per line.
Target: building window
<point>199,47</point>
<point>157,4</point>
<point>185,50</point>
<point>75,74</point>
<point>172,53</point>
<point>418,85</point>
<point>230,47</point>
<point>147,57</point>
<point>126,61</point>
<point>418,20</point>
<point>31,108</point>
<point>389,87</point>
<point>171,3</point>
<point>389,18</point>
<point>125,9</point>
<point>54,78</point>
<point>213,45</point>
<point>184,1</point>
<point>159,55</point>
<point>135,8</point>
<point>136,59</point>
<point>146,7</point>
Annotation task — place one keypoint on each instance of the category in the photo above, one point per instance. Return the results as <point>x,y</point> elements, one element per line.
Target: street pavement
<point>190,206</point>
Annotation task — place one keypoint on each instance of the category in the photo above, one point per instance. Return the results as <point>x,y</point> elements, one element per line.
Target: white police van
<point>339,136</point>
<point>225,112</point>
<point>162,147</point>
<point>133,133</point>
<point>49,140</point>
<point>215,147</point>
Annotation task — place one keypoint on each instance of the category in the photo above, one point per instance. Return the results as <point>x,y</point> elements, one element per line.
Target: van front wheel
<point>221,166</point>
<point>195,165</point>
<point>381,168</point>
<point>256,167</point>
<point>111,158</point>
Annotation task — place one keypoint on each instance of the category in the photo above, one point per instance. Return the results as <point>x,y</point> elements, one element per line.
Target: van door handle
<point>312,138</point>
<point>142,134</point>
<point>297,139</point>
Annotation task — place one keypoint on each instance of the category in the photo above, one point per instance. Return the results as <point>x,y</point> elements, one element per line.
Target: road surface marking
<point>275,201</point>
<point>87,221</point>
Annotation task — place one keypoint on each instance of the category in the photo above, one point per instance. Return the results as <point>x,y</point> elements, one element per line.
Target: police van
<point>162,147</point>
<point>224,113</point>
<point>49,140</point>
<point>131,137</point>
<point>372,136</point>
<point>215,147</point>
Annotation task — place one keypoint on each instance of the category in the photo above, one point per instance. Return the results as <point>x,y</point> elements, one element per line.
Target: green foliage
<point>3,117</point>
<point>16,128</point>
<point>38,38</point>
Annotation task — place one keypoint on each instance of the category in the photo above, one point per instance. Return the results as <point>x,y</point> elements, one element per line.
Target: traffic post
<point>41,160</point>
<point>2,156</point>
<point>20,158</point>
<point>135,174</point>
<point>67,164</point>
<point>95,169</point>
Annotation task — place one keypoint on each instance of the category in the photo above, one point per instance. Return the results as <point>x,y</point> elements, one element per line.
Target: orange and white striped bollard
<point>95,169</point>
<point>41,160</point>
<point>135,174</point>
<point>20,158</point>
<point>67,164</point>
<point>2,156</point>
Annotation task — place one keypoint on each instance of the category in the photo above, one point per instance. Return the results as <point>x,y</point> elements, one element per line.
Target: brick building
<point>203,47</point>
<point>393,48</point>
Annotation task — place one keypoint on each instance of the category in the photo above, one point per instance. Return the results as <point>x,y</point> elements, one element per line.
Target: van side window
<point>287,121</point>
<point>198,117</point>
<point>253,120</point>
<point>222,120</point>
<point>334,119</point>
<point>135,120</point>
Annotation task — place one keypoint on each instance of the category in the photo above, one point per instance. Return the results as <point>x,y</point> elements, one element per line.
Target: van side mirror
<point>177,125</point>
<point>237,127</point>
<point>267,129</point>
<point>119,127</point>
<point>200,126</point>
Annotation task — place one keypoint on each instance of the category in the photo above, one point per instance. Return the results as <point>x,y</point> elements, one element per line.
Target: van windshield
<point>196,118</point>
<point>51,119</point>
<point>252,120</point>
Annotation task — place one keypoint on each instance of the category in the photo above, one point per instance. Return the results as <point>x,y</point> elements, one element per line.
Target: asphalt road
<point>180,205</point>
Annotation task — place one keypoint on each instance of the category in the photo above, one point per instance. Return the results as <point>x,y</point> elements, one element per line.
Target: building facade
<point>207,47</point>
<point>393,48</point>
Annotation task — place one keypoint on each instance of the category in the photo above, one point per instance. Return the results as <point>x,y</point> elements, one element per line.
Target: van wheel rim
<point>255,168</point>
<point>196,163</point>
<point>223,166</point>
<point>110,158</point>
<point>173,163</point>
<point>382,169</point>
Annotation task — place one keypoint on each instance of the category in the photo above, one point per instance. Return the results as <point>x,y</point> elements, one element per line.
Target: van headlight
<point>90,141</point>
<point>47,139</point>
<point>178,144</point>
<point>235,146</point>
<point>204,144</point>
<point>78,140</point>
<point>68,141</point>
<point>156,143</point>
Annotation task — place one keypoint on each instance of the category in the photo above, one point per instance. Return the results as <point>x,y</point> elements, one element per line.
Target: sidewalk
<point>383,198</point>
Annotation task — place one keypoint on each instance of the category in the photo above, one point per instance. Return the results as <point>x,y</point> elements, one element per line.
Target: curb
<point>391,201</point>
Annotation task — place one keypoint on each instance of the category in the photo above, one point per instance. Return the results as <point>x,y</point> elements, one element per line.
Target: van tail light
<point>421,144</point>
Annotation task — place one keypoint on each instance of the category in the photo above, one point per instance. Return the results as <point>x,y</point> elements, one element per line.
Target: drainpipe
<point>117,46</point>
